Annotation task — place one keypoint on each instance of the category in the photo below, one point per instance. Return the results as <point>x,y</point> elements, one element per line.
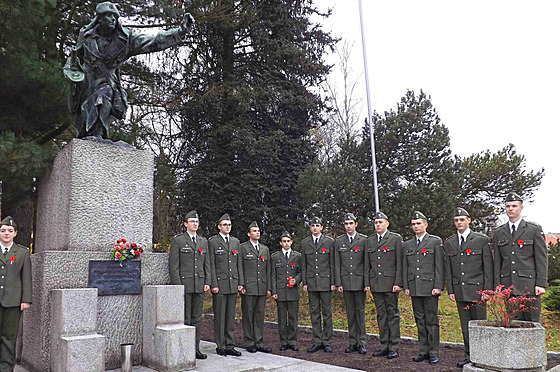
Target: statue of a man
<point>103,45</point>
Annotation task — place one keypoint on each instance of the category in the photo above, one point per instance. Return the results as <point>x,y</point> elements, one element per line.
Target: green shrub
<point>553,262</point>
<point>551,299</point>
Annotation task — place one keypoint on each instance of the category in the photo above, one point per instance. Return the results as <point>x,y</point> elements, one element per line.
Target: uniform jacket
<point>385,259</point>
<point>351,268</point>
<point>423,266</point>
<point>255,269</point>
<point>520,260</point>
<point>281,271</point>
<point>469,269</point>
<point>318,263</point>
<point>225,260</point>
<point>189,264</point>
<point>15,276</point>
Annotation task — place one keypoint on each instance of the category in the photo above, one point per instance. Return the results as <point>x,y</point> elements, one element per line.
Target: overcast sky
<point>491,68</point>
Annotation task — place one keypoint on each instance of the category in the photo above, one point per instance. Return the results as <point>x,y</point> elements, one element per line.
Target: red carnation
<point>123,240</point>
<point>133,245</point>
<point>118,240</point>
<point>141,250</point>
<point>384,248</point>
<point>468,251</point>
<point>136,254</point>
<point>118,255</point>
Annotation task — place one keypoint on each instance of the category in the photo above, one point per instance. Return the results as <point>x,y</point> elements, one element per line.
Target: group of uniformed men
<point>355,264</point>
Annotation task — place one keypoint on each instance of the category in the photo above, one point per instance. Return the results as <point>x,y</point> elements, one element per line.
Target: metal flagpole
<point>372,140</point>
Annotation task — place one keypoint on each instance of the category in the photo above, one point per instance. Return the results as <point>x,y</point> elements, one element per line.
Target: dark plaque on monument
<point>110,278</point>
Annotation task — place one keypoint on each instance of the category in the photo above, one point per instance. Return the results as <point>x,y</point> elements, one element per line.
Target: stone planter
<point>507,349</point>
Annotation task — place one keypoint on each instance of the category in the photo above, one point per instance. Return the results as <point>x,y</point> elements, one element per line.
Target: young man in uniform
<point>469,269</point>
<point>520,257</point>
<point>385,281</point>
<point>423,277</point>
<point>223,251</point>
<point>318,280</point>
<point>254,267</point>
<point>15,290</point>
<point>189,266</point>
<point>352,279</point>
<point>286,277</point>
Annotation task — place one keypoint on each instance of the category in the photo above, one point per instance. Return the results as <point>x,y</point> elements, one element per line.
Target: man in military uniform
<point>189,266</point>
<point>423,279</point>
<point>318,280</point>
<point>469,269</point>
<point>286,277</point>
<point>255,268</point>
<point>352,279</point>
<point>223,251</point>
<point>15,290</point>
<point>384,260</point>
<point>520,257</point>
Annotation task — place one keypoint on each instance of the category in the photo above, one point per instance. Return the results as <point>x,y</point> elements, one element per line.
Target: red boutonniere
<point>262,258</point>
<point>234,252</point>
<point>12,259</point>
<point>520,243</point>
<point>293,265</point>
<point>323,250</point>
<point>200,251</point>
<point>384,248</point>
<point>424,251</point>
<point>468,252</point>
<point>356,249</point>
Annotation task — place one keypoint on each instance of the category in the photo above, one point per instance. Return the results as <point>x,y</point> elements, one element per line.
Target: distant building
<point>552,238</point>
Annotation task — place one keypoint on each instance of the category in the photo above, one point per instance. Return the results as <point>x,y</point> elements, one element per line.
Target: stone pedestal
<point>168,344</point>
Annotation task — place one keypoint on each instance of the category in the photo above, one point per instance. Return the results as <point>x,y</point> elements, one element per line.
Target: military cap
<point>253,224</point>
<point>8,221</point>
<point>107,7</point>
<point>349,216</point>
<point>285,234</point>
<point>225,217</point>
<point>316,220</point>
<point>461,212</point>
<point>380,215</point>
<point>418,216</point>
<point>191,214</point>
<point>513,196</point>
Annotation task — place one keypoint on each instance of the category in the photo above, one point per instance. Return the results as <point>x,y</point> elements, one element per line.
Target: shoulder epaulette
<point>178,235</point>
<point>395,234</point>
<point>451,237</point>
<point>213,237</point>
<point>362,235</point>
<point>307,238</point>
<point>479,234</point>
<point>275,254</point>
<point>338,237</point>
<point>328,237</point>
<point>534,224</point>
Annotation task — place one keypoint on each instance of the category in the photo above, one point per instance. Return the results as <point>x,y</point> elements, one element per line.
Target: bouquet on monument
<point>124,250</point>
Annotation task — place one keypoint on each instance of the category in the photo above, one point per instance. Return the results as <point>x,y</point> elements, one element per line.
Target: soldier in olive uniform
<point>352,279</point>
<point>318,280</point>
<point>385,281</point>
<point>520,257</point>
<point>469,269</point>
<point>223,251</point>
<point>189,266</point>
<point>423,279</point>
<point>255,269</point>
<point>286,276</point>
<point>15,290</point>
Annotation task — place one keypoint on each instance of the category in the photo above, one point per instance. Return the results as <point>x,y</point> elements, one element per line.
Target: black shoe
<point>314,348</point>
<point>351,348</point>
<point>463,363</point>
<point>233,352</point>
<point>283,347</point>
<point>392,355</point>
<point>327,349</point>
<point>420,358</point>
<point>251,349</point>
<point>221,352</point>
<point>362,349</point>
<point>433,360</point>
<point>380,353</point>
<point>199,355</point>
<point>264,349</point>
<point>293,347</point>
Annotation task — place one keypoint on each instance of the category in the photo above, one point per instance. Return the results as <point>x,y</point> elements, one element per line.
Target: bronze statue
<point>96,93</point>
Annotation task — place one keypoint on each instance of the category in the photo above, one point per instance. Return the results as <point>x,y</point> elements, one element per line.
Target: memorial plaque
<point>111,279</point>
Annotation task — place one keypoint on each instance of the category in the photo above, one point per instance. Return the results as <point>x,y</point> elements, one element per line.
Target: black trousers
<point>9,324</point>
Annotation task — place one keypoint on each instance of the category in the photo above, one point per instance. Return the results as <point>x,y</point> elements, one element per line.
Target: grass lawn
<point>450,329</point>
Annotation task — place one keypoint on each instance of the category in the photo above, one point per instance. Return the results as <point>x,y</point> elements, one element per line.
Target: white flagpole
<point>372,140</point>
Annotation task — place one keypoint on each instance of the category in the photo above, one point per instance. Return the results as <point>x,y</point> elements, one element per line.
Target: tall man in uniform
<point>384,259</point>
<point>352,279</point>
<point>469,269</point>
<point>223,251</point>
<point>318,280</point>
<point>15,290</point>
<point>520,257</point>
<point>286,277</point>
<point>189,266</point>
<point>255,268</point>
<point>423,279</point>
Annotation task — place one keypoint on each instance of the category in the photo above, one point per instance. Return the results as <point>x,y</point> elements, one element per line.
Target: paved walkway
<point>247,363</point>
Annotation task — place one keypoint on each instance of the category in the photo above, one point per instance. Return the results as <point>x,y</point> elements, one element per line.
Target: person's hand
<point>275,296</point>
<point>268,293</point>
<point>24,305</point>
<point>436,292</point>
<point>407,292</point>
<point>367,289</point>
<point>292,282</point>
<point>333,287</point>
<point>305,288</point>
<point>539,290</point>
<point>340,289</point>
<point>206,287</point>
<point>452,296</point>
<point>215,290</point>
<point>396,289</point>
<point>186,24</point>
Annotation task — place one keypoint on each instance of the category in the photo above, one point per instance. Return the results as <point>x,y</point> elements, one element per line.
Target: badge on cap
<point>350,217</point>
<point>380,215</point>
<point>316,220</point>
<point>461,212</point>
<point>418,216</point>
<point>513,196</point>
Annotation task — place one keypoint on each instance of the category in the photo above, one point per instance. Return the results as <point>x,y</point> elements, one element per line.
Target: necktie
<point>227,239</point>
<point>351,239</point>
<point>194,239</point>
<point>257,248</point>
<point>316,241</point>
<point>462,241</point>
<point>5,250</point>
<point>417,242</point>
<point>512,230</point>
<point>378,238</point>
<point>287,256</point>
